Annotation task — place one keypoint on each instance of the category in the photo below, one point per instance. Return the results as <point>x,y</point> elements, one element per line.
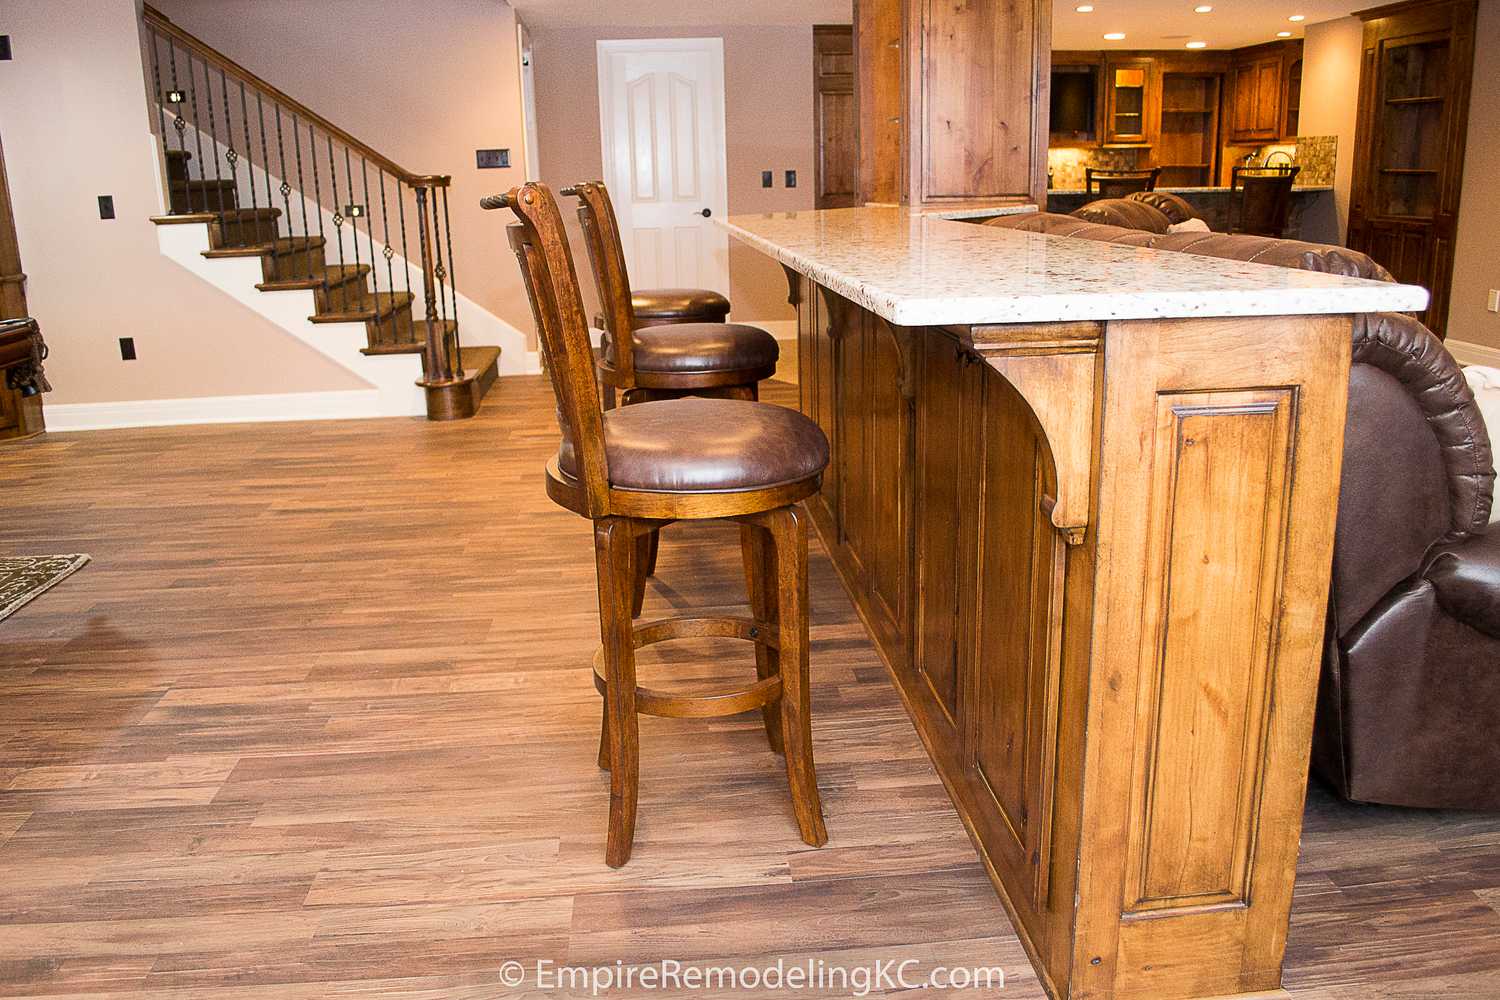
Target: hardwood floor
<point>279,741</point>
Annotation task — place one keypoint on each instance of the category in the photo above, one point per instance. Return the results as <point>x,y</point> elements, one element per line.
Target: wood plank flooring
<point>283,740</point>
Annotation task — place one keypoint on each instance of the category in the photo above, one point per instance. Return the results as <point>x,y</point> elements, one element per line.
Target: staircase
<point>224,120</point>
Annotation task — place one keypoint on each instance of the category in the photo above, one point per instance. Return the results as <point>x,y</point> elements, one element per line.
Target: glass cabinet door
<point>1127,104</point>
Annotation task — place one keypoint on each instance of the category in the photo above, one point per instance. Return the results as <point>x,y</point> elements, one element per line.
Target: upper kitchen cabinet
<point>1127,100</point>
<point>1259,92</point>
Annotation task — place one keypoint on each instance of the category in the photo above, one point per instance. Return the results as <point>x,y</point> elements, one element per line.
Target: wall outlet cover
<point>4,46</point>
<point>491,159</point>
<point>127,348</point>
<point>791,178</point>
<point>106,206</point>
<point>1494,303</point>
<point>767,179</point>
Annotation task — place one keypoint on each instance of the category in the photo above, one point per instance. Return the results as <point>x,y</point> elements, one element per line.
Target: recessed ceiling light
<point>1087,8</point>
<point>1114,36</point>
<point>1297,17</point>
<point>1202,9</point>
<point>1197,45</point>
<point>1283,34</point>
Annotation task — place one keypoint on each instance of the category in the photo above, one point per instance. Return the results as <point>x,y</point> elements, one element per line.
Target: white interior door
<point>661,119</point>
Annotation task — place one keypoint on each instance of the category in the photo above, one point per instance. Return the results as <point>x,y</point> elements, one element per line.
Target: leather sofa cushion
<point>1255,249</point>
<point>698,445</point>
<point>1124,212</point>
<point>686,304</point>
<point>1176,209</point>
<point>1467,579</point>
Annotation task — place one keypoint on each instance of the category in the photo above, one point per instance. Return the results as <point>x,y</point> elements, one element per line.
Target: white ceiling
<point>681,13</point>
<point>1171,24</point>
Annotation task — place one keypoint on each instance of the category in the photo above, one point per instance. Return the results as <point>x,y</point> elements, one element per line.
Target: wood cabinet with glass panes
<point>1126,101</point>
<point>1409,145</point>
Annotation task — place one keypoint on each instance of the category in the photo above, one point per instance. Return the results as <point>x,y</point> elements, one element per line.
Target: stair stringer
<point>478,326</point>
<point>392,378</point>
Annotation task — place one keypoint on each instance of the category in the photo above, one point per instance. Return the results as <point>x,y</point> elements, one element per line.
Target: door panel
<point>835,126</point>
<point>661,110</point>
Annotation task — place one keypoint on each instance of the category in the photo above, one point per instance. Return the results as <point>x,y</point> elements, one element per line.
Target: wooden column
<point>19,416</point>
<point>953,101</point>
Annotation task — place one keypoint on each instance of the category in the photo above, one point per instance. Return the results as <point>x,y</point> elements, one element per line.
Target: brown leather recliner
<point>1409,700</point>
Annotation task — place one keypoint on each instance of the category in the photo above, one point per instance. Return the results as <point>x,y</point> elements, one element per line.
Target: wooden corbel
<point>1053,366</point>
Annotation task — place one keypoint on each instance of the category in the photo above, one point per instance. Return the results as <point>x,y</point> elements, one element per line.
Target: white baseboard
<point>346,404</point>
<point>1468,353</point>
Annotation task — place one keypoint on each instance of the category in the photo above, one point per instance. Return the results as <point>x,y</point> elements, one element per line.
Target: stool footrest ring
<point>649,701</point>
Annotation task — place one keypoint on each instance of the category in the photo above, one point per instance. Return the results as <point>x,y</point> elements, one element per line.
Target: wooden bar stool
<point>632,470</point>
<point>668,358</point>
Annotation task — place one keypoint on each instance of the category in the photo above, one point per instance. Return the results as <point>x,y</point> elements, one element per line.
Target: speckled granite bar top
<point>916,270</point>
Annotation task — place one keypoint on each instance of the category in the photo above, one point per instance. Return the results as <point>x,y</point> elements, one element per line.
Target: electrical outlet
<point>791,178</point>
<point>106,206</point>
<point>490,159</point>
<point>1494,303</point>
<point>127,348</point>
<point>4,46</point>
<point>766,178</point>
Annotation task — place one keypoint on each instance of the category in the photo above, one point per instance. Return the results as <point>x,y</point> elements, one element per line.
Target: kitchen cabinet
<point>1128,101</point>
<point>1259,92</point>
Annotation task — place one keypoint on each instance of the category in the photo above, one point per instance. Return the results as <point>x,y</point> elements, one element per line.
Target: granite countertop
<point>917,270</point>
<point>1222,189</point>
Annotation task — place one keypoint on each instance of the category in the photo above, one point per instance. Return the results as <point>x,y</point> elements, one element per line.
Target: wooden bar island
<point>1083,496</point>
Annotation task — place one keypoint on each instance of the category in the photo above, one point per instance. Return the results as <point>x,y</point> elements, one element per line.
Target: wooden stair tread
<point>284,246</point>
<point>246,214</point>
<point>385,304</point>
<point>332,276</point>
<point>476,359</point>
<point>201,183</point>
<point>413,346</point>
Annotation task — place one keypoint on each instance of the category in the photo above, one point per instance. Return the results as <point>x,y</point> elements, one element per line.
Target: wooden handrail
<point>156,19</point>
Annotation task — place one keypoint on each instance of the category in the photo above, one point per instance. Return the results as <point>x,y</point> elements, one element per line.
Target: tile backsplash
<point>1316,155</point>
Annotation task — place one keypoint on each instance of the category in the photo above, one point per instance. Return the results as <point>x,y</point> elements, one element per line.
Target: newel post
<point>436,368</point>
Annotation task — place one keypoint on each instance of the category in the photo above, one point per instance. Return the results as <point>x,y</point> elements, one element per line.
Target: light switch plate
<point>1494,303</point>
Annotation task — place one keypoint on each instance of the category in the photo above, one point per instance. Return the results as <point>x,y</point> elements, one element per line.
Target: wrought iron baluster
<point>230,155</point>
<point>439,272</point>
<point>249,146</point>
<point>338,222</point>
<point>179,123</point>
<point>458,361</point>
<point>161,118</point>
<point>312,145</point>
<point>385,223</point>
<point>405,254</point>
<point>354,222</point>
<point>265,163</point>
<point>364,173</point>
<point>286,184</point>
<point>213,133</point>
<point>301,190</point>
<point>197,135</point>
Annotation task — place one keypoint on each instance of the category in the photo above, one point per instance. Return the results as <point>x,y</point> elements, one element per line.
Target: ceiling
<point>681,13</point>
<point>1171,24</point>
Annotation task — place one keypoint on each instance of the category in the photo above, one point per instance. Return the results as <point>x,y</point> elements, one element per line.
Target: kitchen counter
<point>1312,216</point>
<point>917,270</point>
<point>1212,189</point>
<point>1083,498</point>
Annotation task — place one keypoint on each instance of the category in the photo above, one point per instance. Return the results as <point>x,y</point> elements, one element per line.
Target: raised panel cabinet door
<point>1268,97</point>
<point>1012,713</point>
<point>947,487</point>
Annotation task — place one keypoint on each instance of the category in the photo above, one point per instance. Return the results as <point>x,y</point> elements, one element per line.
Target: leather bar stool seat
<point>656,306</point>
<point>687,348</point>
<point>706,445</point>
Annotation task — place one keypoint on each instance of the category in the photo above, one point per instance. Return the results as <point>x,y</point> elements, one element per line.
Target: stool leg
<point>789,530</point>
<point>645,566</point>
<point>760,581</point>
<point>614,554</point>
<point>604,734</point>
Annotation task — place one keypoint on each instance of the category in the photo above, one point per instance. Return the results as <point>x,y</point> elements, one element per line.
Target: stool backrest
<point>541,245</point>
<point>601,232</point>
<point>1265,198</point>
<point>1119,183</point>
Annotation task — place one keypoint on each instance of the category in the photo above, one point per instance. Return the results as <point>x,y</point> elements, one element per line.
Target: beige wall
<point>768,81</point>
<point>424,83</point>
<point>74,121</point>
<point>1476,264</point>
<point>1331,56</point>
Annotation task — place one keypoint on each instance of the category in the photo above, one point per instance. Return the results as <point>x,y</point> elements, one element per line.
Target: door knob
<point>706,212</point>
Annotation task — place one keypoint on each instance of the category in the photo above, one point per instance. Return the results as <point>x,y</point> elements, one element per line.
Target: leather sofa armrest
<point>1466,577</point>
